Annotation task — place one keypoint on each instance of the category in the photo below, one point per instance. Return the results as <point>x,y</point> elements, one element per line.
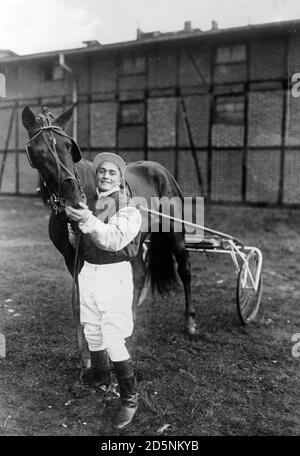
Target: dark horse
<point>69,179</point>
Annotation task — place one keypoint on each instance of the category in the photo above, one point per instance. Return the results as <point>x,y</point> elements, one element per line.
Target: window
<point>132,114</point>
<point>132,65</point>
<point>2,86</point>
<point>229,110</point>
<point>53,73</point>
<point>231,54</point>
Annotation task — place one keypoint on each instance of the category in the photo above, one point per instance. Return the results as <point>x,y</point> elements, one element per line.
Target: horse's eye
<point>35,156</point>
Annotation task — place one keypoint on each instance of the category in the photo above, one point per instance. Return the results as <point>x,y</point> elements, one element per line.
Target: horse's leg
<point>184,272</point>
<point>141,284</point>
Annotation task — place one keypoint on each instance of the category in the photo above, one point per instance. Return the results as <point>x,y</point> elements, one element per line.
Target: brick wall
<point>195,66</point>
<point>83,124</point>
<point>267,59</point>
<point>162,68</point>
<point>23,137</point>
<point>5,119</point>
<point>103,124</point>
<point>103,74</point>
<point>134,82</point>
<point>234,73</point>
<point>161,122</point>
<point>227,135</point>
<point>197,108</point>
<point>28,178</point>
<point>9,177</point>
<point>187,176</point>
<point>132,136</point>
<point>294,56</point>
<point>292,177</point>
<point>265,118</point>
<point>293,120</point>
<point>165,158</point>
<point>80,67</point>
<point>132,155</point>
<point>13,89</point>
<point>263,175</point>
<point>226,179</point>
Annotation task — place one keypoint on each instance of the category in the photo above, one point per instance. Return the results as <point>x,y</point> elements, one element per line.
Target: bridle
<point>56,200</point>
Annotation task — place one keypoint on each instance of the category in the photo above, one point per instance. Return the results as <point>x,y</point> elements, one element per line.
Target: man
<point>109,241</point>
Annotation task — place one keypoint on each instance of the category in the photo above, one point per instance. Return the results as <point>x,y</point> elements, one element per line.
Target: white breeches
<point>106,294</point>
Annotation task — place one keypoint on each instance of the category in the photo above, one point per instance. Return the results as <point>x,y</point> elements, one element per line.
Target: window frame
<point>122,69</point>
<point>231,61</point>
<point>128,123</point>
<point>228,117</point>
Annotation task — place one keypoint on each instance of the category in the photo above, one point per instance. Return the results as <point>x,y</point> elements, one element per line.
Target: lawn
<point>227,380</point>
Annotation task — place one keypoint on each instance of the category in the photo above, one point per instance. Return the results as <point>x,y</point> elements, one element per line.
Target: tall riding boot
<point>100,369</point>
<point>128,395</point>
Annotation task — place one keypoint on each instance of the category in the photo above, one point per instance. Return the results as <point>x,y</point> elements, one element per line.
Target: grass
<point>228,380</point>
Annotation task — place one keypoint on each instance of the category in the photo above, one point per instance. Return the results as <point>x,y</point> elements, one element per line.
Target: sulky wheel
<point>248,300</point>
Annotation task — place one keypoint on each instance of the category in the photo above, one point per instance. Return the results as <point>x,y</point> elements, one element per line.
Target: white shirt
<point>120,230</point>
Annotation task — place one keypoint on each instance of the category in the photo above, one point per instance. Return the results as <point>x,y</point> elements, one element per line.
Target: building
<point>215,107</point>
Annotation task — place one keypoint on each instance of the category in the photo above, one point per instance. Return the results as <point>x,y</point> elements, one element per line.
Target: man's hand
<point>79,215</point>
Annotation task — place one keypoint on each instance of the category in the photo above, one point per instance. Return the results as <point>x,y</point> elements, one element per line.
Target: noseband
<point>56,201</point>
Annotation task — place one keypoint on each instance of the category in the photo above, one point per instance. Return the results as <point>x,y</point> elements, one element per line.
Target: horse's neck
<point>87,180</point>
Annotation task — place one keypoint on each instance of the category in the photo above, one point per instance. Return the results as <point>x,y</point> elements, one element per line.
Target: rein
<point>76,309</point>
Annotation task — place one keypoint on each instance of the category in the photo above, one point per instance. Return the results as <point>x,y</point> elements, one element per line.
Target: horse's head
<point>54,154</point>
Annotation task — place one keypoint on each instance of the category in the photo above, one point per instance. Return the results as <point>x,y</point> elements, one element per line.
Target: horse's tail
<point>160,262</point>
<point>160,259</point>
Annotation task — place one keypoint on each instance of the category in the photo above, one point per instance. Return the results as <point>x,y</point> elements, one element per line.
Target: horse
<point>69,179</point>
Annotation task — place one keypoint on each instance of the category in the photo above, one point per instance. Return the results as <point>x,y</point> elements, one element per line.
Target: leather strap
<point>76,307</point>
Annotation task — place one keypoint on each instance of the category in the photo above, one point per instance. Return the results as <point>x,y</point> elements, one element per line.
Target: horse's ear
<point>28,118</point>
<point>63,119</point>
<point>76,152</point>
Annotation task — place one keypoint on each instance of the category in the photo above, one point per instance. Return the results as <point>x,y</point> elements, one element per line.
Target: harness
<point>56,201</point>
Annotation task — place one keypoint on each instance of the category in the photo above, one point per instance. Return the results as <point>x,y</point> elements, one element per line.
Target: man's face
<point>108,176</point>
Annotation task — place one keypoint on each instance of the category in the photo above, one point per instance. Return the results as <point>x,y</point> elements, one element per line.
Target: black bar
<point>7,143</point>
<point>89,105</point>
<point>210,125</point>
<point>146,96</point>
<point>282,80</point>
<point>190,136</point>
<point>246,121</point>
<point>177,123</point>
<point>199,72</point>
<point>171,148</point>
<point>118,114</point>
<point>16,151</point>
<point>283,125</point>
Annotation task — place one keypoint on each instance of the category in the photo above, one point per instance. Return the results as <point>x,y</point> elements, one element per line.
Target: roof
<point>195,34</point>
<point>7,53</point>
